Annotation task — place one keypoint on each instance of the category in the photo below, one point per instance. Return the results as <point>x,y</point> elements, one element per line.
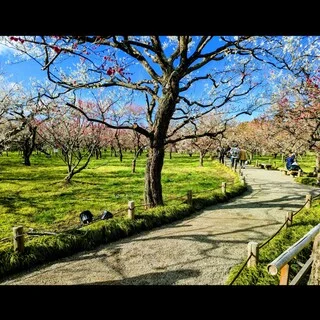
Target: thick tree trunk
<point>167,104</point>
<point>29,145</point>
<point>26,152</point>
<point>153,187</point>
<point>26,158</point>
<point>68,178</point>
<point>317,162</point>
<point>201,159</point>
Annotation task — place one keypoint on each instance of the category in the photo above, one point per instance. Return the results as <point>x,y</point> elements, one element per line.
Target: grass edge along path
<point>48,248</point>
<point>302,224</point>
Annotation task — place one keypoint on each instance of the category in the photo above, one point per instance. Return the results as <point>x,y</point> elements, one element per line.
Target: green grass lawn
<point>37,197</point>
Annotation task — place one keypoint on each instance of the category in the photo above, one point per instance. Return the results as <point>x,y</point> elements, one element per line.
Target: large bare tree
<point>181,78</point>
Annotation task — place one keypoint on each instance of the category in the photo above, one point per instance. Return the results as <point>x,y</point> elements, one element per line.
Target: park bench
<point>266,166</point>
<point>291,172</point>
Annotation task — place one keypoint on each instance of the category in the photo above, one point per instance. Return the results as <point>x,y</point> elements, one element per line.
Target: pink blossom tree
<point>74,135</point>
<point>165,71</point>
<point>295,111</point>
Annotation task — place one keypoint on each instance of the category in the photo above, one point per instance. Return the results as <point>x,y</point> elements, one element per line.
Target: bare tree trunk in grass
<point>153,187</point>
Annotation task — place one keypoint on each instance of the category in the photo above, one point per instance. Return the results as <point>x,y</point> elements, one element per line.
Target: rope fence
<point>288,222</point>
<point>263,244</point>
<point>301,207</point>
<point>238,273</point>
<point>130,210</point>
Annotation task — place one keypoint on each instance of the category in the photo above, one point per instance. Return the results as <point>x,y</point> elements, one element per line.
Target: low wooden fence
<point>254,247</point>
<point>282,261</point>
<point>19,234</point>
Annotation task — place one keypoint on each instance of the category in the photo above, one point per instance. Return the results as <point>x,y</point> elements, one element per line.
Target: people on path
<point>243,158</point>
<point>234,153</point>
<point>221,153</point>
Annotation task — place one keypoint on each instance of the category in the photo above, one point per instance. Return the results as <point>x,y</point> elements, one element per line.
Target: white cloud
<point>4,50</point>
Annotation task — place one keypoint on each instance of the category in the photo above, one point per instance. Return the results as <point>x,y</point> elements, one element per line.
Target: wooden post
<point>256,163</point>
<point>284,275</point>
<point>18,239</point>
<point>253,248</point>
<point>224,187</point>
<point>316,243</point>
<point>308,200</point>
<point>189,197</point>
<point>131,210</point>
<point>299,173</point>
<point>289,217</point>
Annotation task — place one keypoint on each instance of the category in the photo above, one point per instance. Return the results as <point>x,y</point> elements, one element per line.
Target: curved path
<point>199,250</point>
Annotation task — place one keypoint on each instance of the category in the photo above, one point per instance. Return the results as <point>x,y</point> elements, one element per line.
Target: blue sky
<point>24,71</point>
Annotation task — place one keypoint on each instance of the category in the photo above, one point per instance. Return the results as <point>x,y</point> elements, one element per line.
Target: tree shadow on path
<point>153,278</point>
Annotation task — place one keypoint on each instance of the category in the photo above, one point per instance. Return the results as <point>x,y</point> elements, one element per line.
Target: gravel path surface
<point>199,250</point>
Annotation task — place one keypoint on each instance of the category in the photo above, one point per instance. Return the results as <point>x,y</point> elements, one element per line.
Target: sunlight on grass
<point>37,197</point>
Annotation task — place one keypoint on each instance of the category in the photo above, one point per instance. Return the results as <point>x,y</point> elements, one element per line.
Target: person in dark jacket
<point>221,154</point>
<point>290,160</point>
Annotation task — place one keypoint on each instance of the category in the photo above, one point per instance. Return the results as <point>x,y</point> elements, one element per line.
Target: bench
<point>266,166</point>
<point>295,173</point>
<point>291,172</point>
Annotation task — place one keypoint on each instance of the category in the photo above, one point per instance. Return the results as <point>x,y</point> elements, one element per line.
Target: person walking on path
<point>242,158</point>
<point>221,153</point>
<point>235,153</point>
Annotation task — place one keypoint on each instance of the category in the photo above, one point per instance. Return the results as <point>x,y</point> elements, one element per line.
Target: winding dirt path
<point>199,250</point>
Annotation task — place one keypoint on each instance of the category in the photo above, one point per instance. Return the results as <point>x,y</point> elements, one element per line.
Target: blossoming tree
<point>180,78</point>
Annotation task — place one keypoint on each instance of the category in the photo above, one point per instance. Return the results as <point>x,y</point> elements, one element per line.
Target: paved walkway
<point>199,250</point>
